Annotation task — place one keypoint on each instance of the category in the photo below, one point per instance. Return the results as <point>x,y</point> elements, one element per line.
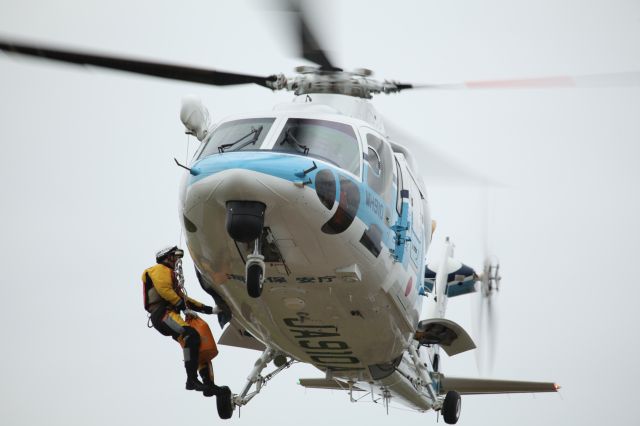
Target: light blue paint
<point>274,164</point>
<point>459,289</point>
<point>400,229</point>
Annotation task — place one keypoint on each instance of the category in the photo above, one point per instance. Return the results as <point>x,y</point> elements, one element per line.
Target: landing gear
<point>258,381</point>
<point>224,403</point>
<point>254,271</point>
<point>451,407</point>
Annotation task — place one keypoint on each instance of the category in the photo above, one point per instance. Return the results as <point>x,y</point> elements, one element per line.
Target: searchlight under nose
<point>245,220</point>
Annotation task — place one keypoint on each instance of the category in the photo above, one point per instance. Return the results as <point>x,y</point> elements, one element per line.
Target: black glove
<point>181,306</point>
<point>206,309</point>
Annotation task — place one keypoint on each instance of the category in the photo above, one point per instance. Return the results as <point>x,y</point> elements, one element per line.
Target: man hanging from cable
<point>164,298</point>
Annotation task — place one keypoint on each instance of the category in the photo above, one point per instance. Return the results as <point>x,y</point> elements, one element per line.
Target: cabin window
<point>330,141</point>
<point>238,135</point>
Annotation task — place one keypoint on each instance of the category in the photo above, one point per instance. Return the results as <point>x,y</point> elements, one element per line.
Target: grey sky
<point>89,192</point>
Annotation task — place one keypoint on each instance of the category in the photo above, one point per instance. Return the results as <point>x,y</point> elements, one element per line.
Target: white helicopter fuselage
<point>310,228</point>
<point>344,263</point>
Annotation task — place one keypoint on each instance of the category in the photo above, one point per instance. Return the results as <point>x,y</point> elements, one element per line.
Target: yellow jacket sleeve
<point>163,283</point>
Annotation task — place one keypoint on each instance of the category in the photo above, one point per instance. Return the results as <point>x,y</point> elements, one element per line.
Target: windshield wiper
<point>303,148</point>
<point>253,140</point>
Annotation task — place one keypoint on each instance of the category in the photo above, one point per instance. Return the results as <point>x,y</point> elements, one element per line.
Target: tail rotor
<point>486,322</point>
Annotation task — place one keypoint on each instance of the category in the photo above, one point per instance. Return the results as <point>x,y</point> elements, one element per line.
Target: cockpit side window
<point>331,141</point>
<point>238,135</point>
<point>374,162</point>
<point>400,187</point>
<point>379,162</point>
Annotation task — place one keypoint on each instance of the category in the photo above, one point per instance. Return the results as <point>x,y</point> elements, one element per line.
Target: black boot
<point>192,377</point>
<point>197,385</point>
<point>211,389</point>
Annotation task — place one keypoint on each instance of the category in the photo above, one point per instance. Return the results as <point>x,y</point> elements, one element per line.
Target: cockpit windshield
<point>326,140</point>
<point>238,135</point>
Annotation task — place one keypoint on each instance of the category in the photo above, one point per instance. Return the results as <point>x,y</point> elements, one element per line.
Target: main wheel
<point>451,407</point>
<point>224,403</point>
<point>254,280</point>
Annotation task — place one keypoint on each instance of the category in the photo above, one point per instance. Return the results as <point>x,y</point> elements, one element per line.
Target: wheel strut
<point>255,378</point>
<point>254,271</point>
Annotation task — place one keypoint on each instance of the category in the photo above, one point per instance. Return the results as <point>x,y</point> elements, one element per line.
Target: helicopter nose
<point>272,179</point>
<point>242,198</point>
<point>243,192</point>
<point>245,201</point>
<point>247,185</point>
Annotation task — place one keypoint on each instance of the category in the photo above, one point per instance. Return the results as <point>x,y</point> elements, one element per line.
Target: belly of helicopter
<point>328,301</point>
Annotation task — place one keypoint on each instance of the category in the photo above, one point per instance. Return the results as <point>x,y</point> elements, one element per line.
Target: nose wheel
<point>255,279</point>
<point>451,407</point>
<point>224,403</point>
<point>254,272</point>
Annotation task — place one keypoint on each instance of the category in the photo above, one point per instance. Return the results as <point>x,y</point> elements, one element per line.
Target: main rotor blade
<point>309,45</point>
<point>436,167</point>
<point>619,79</point>
<point>156,69</point>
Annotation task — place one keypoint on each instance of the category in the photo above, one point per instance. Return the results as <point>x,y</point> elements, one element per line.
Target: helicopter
<point>314,99</point>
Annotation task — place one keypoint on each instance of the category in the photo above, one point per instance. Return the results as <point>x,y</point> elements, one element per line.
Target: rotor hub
<point>312,79</point>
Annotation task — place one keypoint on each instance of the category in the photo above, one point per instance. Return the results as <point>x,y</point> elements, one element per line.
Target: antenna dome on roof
<point>195,117</point>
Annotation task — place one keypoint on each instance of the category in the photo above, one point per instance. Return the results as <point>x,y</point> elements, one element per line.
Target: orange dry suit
<point>164,300</point>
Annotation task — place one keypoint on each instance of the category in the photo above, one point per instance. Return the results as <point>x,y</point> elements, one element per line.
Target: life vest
<point>151,296</point>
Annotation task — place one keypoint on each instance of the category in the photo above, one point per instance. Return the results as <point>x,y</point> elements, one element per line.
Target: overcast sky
<point>89,193</point>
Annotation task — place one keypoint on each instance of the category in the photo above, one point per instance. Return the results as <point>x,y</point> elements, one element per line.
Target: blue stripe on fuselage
<point>274,164</point>
<point>289,167</point>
